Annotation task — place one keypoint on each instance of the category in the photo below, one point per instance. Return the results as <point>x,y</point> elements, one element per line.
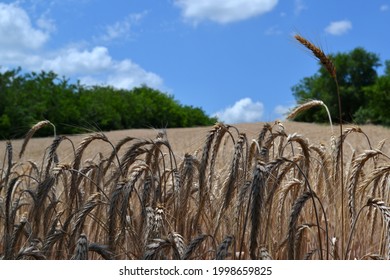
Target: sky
<point>235,59</point>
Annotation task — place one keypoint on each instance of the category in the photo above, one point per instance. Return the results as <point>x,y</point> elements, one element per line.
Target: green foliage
<point>363,93</point>
<point>378,101</point>
<point>26,98</point>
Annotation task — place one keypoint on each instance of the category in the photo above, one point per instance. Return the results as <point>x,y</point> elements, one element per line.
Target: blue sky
<point>233,58</point>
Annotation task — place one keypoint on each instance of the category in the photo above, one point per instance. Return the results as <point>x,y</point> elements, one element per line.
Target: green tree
<point>101,108</point>
<point>26,98</point>
<point>378,101</point>
<point>356,70</point>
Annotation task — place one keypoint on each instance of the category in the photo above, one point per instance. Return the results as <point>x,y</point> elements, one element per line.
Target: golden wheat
<point>275,197</point>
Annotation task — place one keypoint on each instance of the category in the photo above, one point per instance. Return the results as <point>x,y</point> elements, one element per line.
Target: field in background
<point>251,191</point>
<point>189,140</point>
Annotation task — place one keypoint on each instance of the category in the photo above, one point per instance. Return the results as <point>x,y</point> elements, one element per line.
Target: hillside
<point>189,140</point>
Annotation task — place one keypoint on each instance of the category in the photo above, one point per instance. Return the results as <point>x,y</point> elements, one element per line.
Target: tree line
<point>364,92</point>
<point>26,98</point>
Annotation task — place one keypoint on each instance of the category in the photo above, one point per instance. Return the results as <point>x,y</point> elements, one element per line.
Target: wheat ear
<point>385,211</point>
<point>306,106</point>
<point>193,245</point>
<point>296,209</point>
<point>81,251</point>
<point>32,131</point>
<point>8,154</point>
<point>223,248</point>
<point>325,61</point>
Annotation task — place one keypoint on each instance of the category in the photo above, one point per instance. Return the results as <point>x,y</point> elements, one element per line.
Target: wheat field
<point>249,191</point>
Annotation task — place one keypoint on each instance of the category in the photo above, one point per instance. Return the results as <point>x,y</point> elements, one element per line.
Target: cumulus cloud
<point>46,24</point>
<point>17,31</point>
<point>22,44</point>
<point>338,27</point>
<point>72,61</point>
<point>96,66</point>
<point>127,74</point>
<point>244,110</point>
<point>223,11</point>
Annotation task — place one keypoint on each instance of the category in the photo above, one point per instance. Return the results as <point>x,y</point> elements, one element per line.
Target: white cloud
<point>96,66</point>
<point>122,28</point>
<point>282,110</point>
<point>223,11</point>
<point>21,44</point>
<point>244,110</point>
<point>16,30</point>
<point>338,27</point>
<point>127,74</point>
<point>72,61</point>
<point>384,8</point>
<point>273,30</point>
<point>46,24</point>
<point>299,6</point>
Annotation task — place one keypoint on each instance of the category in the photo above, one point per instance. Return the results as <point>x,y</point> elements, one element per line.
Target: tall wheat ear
<point>330,67</point>
<point>324,59</point>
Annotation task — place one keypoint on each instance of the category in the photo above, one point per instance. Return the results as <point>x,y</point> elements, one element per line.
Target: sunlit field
<point>250,191</point>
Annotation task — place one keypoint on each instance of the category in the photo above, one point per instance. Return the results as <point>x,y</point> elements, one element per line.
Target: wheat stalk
<point>329,66</point>
<point>257,200</point>
<point>354,177</point>
<point>230,184</point>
